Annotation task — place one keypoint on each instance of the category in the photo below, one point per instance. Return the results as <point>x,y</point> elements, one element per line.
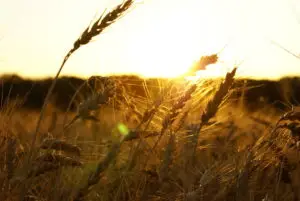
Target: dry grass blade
<point>60,145</point>
<point>285,49</point>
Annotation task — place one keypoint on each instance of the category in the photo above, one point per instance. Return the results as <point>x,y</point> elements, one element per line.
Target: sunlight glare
<point>171,43</point>
<point>157,38</point>
<point>217,70</point>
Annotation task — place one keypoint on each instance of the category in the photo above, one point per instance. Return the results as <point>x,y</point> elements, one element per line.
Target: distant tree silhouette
<point>33,92</point>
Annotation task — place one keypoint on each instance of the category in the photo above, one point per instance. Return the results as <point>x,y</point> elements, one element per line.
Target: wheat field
<point>182,141</point>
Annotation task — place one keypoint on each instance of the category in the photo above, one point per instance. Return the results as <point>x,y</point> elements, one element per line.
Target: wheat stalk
<point>90,32</point>
<point>212,106</point>
<point>95,177</point>
<point>177,107</point>
<point>93,103</point>
<point>175,110</point>
<point>123,100</point>
<point>167,159</point>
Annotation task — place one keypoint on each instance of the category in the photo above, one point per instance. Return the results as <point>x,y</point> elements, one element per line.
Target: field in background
<point>280,94</point>
<point>149,140</point>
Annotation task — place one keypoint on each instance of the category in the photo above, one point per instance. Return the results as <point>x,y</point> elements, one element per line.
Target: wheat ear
<point>90,32</point>
<point>213,106</point>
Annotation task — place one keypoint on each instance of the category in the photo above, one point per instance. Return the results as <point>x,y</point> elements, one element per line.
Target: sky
<point>156,38</point>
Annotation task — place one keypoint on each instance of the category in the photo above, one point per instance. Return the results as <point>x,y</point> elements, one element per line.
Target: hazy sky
<point>156,38</point>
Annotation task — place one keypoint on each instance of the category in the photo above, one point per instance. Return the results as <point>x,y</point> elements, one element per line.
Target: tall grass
<point>172,151</point>
<point>90,32</point>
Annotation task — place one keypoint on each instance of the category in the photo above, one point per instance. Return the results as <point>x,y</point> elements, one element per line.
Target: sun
<point>164,55</point>
<point>169,56</point>
<point>168,45</point>
<point>217,70</point>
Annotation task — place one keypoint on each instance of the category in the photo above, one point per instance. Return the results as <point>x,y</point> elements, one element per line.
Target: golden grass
<point>189,144</point>
<point>231,160</point>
